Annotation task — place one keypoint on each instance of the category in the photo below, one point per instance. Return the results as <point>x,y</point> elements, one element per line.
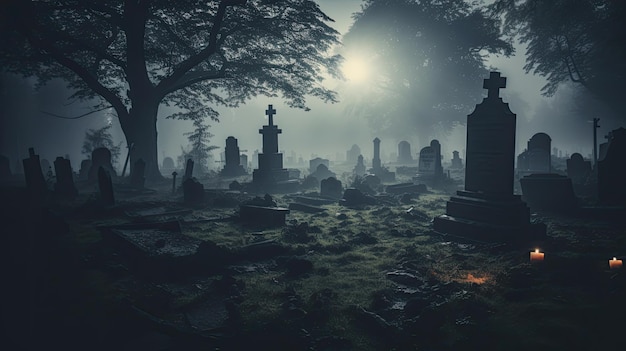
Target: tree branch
<point>75,117</point>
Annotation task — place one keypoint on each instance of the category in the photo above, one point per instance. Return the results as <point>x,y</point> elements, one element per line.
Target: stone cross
<point>493,84</point>
<point>270,112</point>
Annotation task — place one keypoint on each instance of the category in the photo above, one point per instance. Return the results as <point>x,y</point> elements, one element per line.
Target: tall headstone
<point>35,181</point>
<point>488,209</point>
<point>612,170</point>
<point>188,170</point>
<point>270,170</point>
<point>376,164</point>
<point>536,158</point>
<point>232,165</point>
<point>404,152</point>
<point>64,186</point>
<point>352,155</point>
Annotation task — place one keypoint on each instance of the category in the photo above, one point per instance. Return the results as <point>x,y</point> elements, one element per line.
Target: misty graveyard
<point>442,218</point>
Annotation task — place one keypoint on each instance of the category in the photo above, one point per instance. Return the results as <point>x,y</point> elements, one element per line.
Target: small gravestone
<point>5,167</point>
<point>456,162</point>
<point>359,168</point>
<point>64,187</point>
<point>193,191</point>
<point>612,170</point>
<point>353,154</point>
<point>331,187</point>
<point>354,197</point>
<point>536,158</point>
<point>137,174</point>
<point>188,170</point>
<point>35,181</point>
<point>314,164</point>
<point>83,172</point>
<point>105,186</point>
<point>232,165</point>
<point>100,157</point>
<point>429,165</point>
<point>487,210</point>
<point>322,172</point>
<point>578,170</point>
<point>404,152</point>
<point>549,192</point>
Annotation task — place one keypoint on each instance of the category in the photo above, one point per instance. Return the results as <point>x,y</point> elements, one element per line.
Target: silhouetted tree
<point>428,58</point>
<point>580,41</point>
<point>199,148</point>
<point>134,56</point>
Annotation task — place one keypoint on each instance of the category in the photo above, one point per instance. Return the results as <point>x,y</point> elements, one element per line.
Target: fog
<point>327,130</point>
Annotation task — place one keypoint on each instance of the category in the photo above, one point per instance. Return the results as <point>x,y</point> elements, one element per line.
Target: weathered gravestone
<point>578,170</point>
<point>100,157</point>
<point>188,170</point>
<point>270,171</point>
<point>64,186</point>
<point>331,187</point>
<point>536,158</point>
<point>612,170</point>
<point>322,172</point>
<point>137,174</point>
<point>404,152</point>
<point>263,211</point>
<point>5,167</point>
<point>359,168</point>
<point>35,181</point>
<point>456,162</point>
<point>429,166</point>
<point>46,168</point>
<point>376,164</point>
<point>487,209</point>
<point>314,164</point>
<point>232,165</point>
<point>105,186</point>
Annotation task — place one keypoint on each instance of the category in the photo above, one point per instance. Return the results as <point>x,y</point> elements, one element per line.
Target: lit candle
<point>615,263</point>
<point>536,256</point>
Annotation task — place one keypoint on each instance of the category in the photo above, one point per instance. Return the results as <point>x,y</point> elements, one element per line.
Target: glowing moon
<point>355,70</point>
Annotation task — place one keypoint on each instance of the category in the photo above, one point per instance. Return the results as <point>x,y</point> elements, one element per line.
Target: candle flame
<point>614,259</point>
<point>537,250</point>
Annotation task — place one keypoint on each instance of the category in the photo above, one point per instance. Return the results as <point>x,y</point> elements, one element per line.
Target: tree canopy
<point>428,58</point>
<point>133,56</point>
<point>579,41</point>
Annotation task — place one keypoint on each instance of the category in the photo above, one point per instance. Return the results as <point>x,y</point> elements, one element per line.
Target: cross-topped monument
<point>493,84</point>
<point>270,112</point>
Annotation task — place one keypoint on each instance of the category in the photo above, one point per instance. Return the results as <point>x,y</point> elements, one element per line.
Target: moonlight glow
<point>356,70</point>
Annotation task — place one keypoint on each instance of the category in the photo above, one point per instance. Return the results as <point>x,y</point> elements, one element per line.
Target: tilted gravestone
<point>188,170</point>
<point>64,186</point>
<point>487,209</point>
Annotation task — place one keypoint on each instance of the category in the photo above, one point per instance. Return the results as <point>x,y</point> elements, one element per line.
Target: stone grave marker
<point>85,166</point>
<point>404,152</point>
<point>314,164</point>
<point>376,163</point>
<point>578,170</point>
<point>35,181</point>
<point>232,165</point>
<point>429,165</point>
<point>100,157</point>
<point>536,158</point>
<point>456,162</point>
<point>270,161</point>
<point>612,170</point>
<point>488,210</point>
<point>64,186</point>
<point>331,187</point>
<point>188,170</point>
<point>549,192</point>
<point>359,168</point>
<point>322,172</point>
<point>353,154</point>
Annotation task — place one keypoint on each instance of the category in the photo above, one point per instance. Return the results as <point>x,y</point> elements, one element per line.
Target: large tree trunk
<point>140,131</point>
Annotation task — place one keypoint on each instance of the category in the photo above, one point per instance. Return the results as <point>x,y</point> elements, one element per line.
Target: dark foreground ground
<point>369,278</point>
